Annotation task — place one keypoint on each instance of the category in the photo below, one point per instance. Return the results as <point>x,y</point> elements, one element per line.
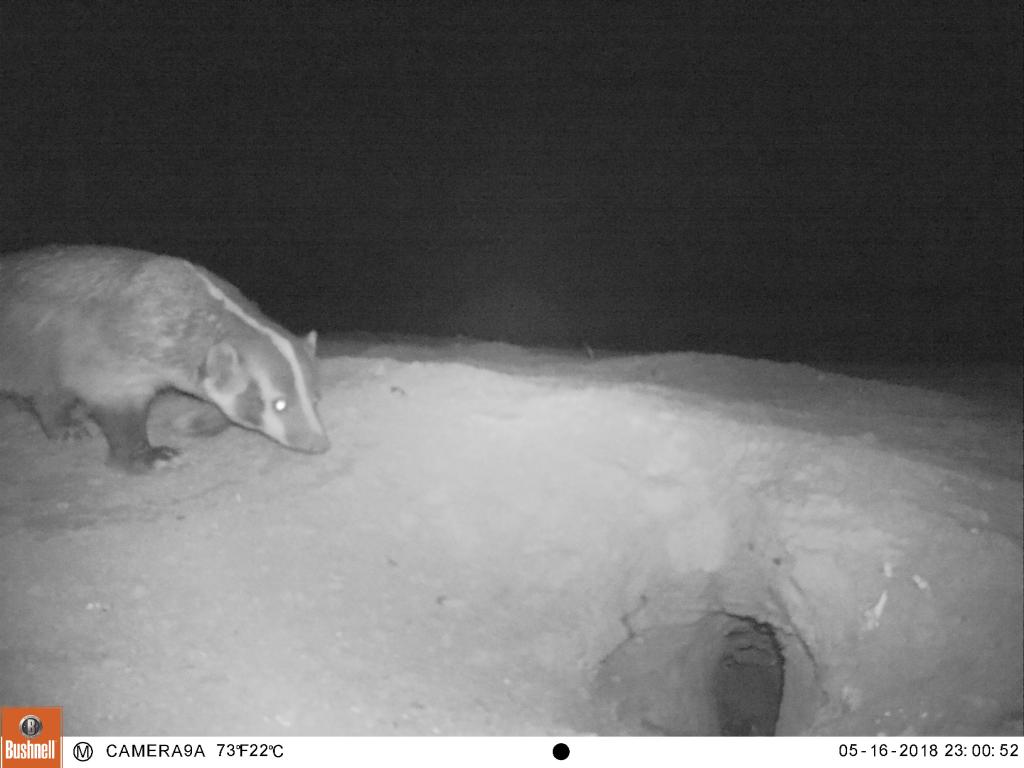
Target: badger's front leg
<point>125,429</point>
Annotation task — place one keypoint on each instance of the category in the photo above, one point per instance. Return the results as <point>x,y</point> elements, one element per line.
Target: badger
<point>95,331</point>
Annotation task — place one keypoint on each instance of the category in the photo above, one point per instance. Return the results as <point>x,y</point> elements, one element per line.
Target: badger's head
<point>267,382</point>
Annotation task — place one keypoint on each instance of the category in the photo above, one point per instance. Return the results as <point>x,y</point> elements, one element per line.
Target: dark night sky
<point>806,183</point>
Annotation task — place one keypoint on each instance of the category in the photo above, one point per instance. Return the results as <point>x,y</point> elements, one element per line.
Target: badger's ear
<point>310,342</point>
<point>222,371</point>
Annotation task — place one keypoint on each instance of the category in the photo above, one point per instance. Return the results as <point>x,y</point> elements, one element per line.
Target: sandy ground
<point>512,542</point>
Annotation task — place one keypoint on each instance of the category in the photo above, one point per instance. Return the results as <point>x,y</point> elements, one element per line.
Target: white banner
<point>576,751</point>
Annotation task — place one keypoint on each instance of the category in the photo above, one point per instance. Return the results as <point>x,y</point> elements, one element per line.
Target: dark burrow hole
<point>723,675</point>
<point>747,681</point>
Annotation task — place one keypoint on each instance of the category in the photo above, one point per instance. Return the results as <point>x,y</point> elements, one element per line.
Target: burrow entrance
<point>724,674</point>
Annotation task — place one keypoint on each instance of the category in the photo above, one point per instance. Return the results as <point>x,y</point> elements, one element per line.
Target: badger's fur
<point>100,331</point>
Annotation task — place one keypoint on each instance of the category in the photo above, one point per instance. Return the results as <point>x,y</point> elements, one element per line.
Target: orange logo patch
<point>30,737</point>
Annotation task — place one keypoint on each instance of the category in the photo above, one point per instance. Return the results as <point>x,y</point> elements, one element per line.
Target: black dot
<point>560,751</point>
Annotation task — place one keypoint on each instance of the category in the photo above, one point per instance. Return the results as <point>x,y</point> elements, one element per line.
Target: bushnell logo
<point>30,726</point>
<point>30,737</point>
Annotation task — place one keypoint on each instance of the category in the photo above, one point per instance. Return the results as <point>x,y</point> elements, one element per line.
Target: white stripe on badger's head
<point>264,380</point>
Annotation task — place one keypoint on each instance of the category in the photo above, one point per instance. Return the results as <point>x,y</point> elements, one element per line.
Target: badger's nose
<point>313,443</point>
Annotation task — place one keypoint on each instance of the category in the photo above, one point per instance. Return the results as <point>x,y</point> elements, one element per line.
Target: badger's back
<point>113,326</point>
<point>134,320</point>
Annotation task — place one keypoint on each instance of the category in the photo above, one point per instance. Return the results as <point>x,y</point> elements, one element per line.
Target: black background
<point>813,181</point>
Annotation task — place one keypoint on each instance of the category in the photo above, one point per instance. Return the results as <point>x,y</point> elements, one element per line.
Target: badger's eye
<point>280,404</point>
